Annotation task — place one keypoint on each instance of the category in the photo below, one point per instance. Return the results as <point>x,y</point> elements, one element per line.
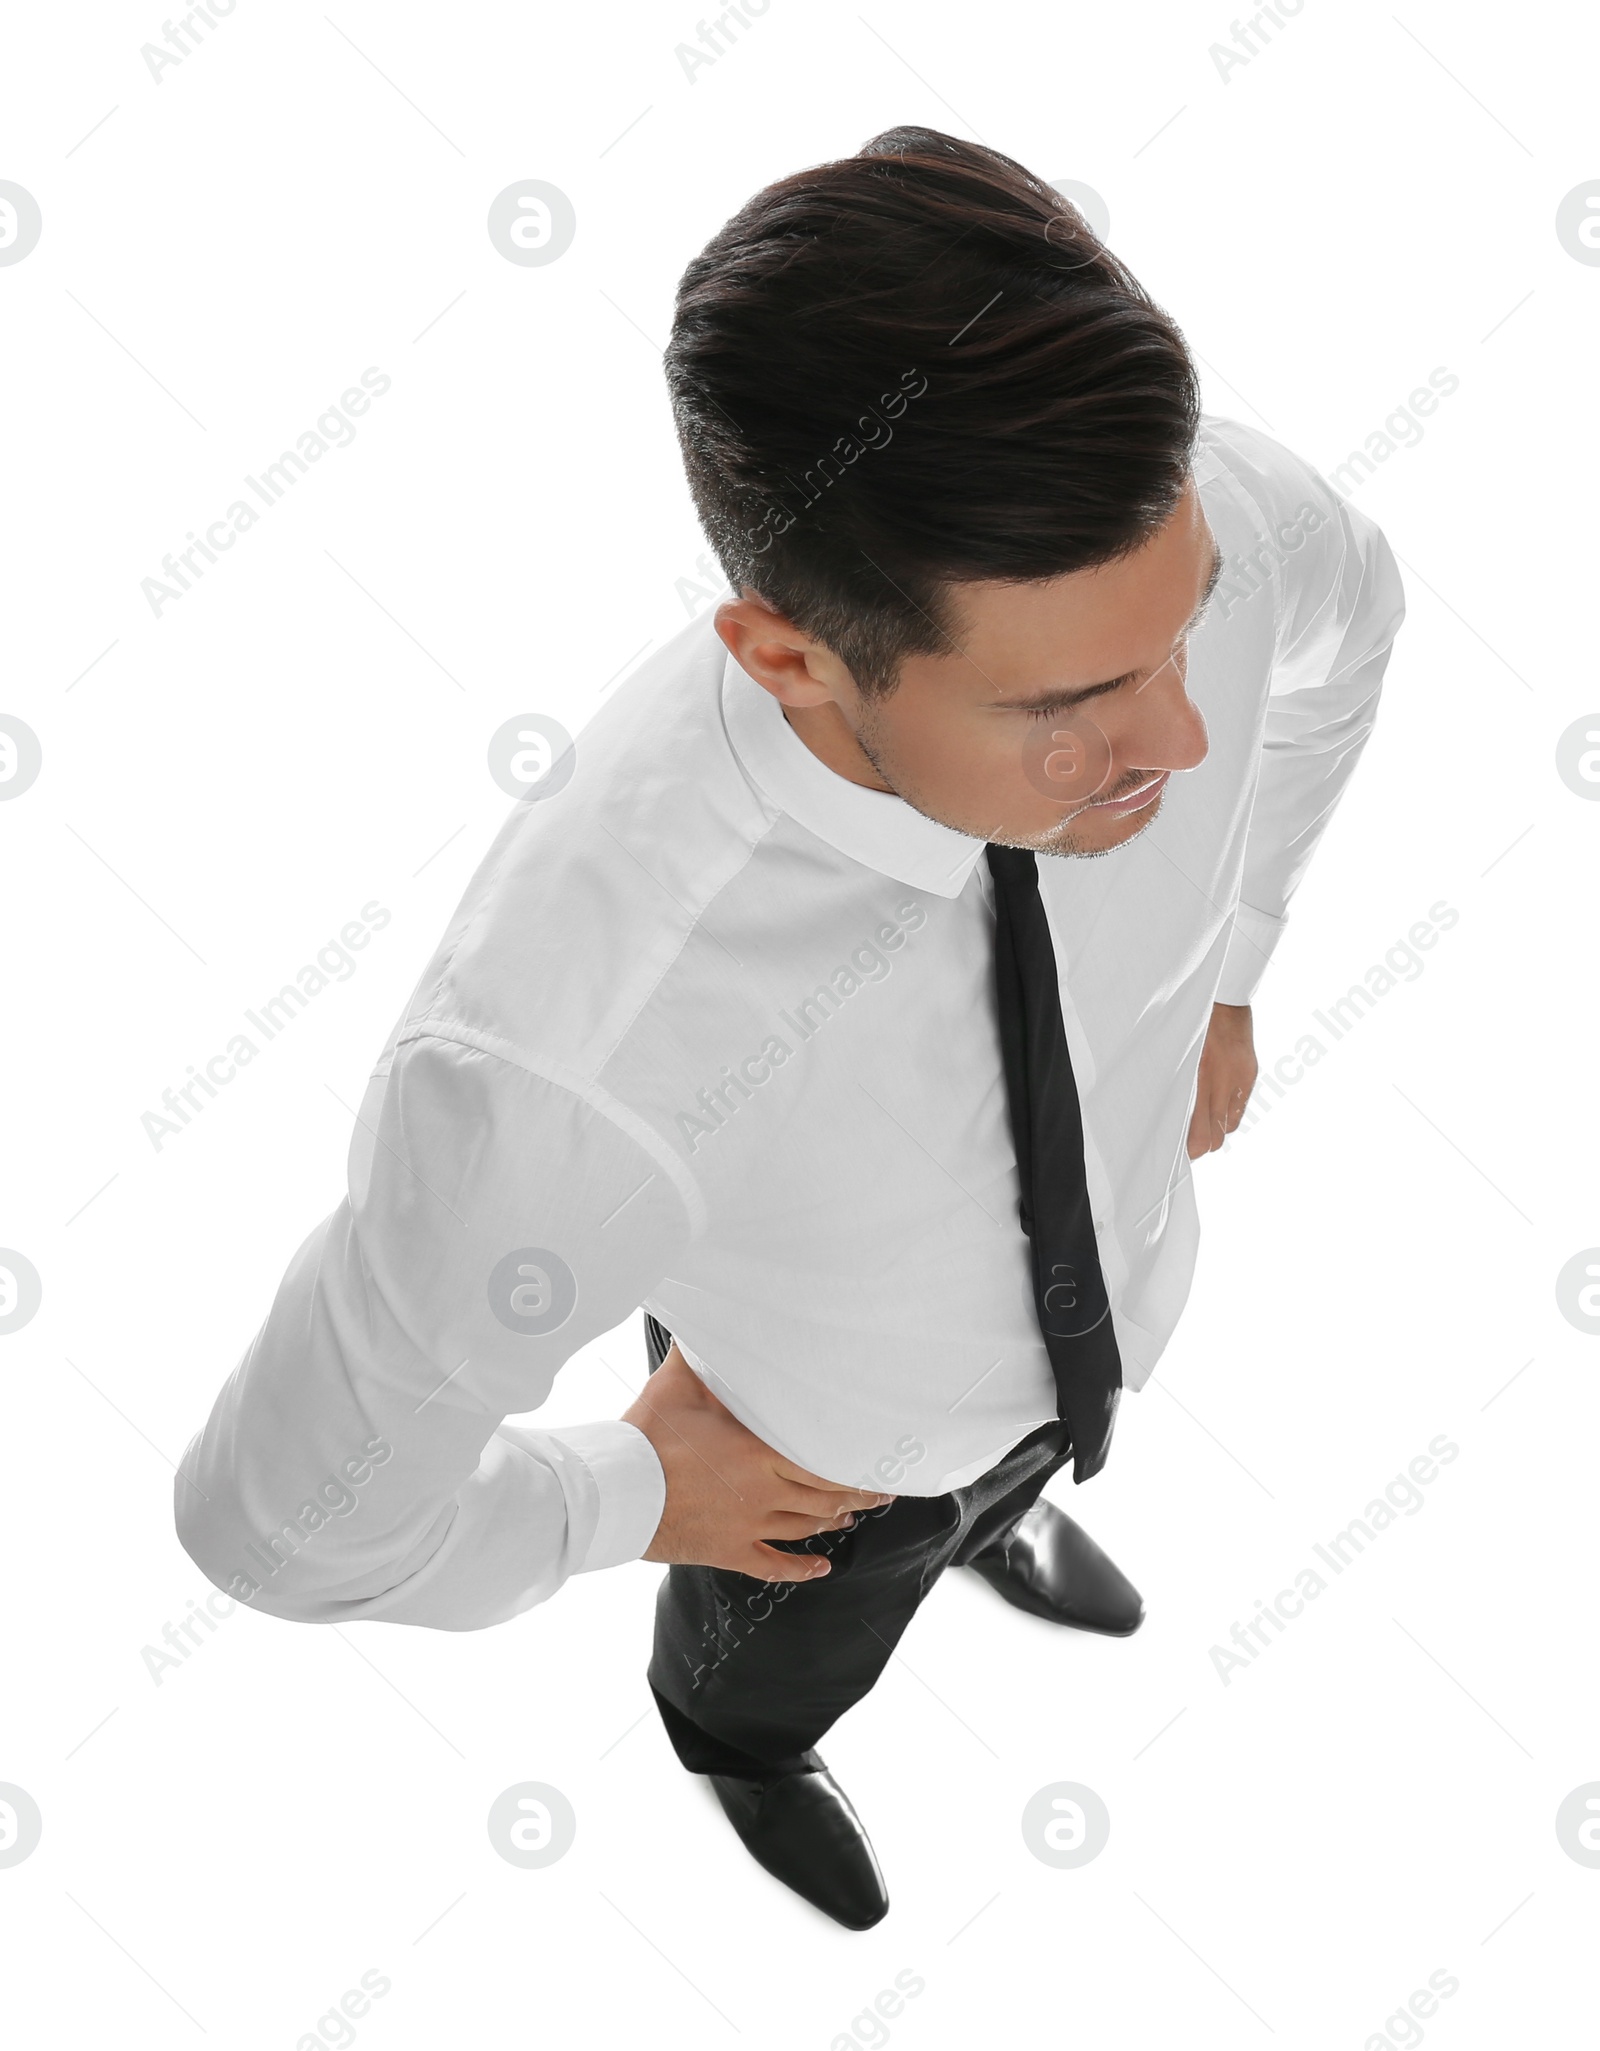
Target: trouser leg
<point>749,1674</point>
<point>759,1670</point>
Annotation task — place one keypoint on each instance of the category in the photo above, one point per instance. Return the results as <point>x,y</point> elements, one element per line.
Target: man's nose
<point>1171,734</point>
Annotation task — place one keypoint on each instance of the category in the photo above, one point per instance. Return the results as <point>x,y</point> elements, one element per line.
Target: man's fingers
<point>814,1485</point>
<point>823,1507</point>
<point>787,1524</point>
<point>767,1565</point>
<point>1202,1130</point>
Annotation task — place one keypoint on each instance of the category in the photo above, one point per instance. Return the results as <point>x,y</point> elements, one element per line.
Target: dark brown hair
<point>916,367</point>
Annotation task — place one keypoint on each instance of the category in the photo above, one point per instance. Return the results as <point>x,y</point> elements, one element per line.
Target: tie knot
<point>1015,866</point>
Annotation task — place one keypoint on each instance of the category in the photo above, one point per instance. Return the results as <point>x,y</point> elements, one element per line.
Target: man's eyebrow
<point>1061,700</point>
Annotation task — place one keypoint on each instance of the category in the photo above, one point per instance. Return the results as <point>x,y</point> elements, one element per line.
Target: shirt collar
<point>870,826</point>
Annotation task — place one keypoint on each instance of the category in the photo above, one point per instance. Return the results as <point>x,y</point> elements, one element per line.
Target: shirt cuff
<point>629,1485</point>
<point>1244,961</point>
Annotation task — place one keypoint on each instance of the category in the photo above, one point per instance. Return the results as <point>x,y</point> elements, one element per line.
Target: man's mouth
<point>1136,800</point>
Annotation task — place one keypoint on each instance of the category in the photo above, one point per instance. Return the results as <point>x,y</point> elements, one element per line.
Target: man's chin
<point>1094,831</point>
<point>1087,832</point>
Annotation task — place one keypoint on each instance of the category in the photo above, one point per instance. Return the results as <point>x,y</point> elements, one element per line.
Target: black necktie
<point>1047,1128</point>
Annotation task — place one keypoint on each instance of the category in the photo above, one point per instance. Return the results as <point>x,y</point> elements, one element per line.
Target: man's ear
<point>780,656</point>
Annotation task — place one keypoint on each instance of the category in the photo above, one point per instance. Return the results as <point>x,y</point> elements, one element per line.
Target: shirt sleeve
<point>356,1463</point>
<point>1341,605</point>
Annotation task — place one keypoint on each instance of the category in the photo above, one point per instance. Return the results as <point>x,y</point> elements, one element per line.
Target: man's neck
<point>827,734</point>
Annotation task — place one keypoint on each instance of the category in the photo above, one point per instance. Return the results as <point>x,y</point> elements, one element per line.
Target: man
<point>761,1011</point>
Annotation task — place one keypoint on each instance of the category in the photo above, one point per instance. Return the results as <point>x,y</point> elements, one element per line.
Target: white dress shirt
<point>715,1028</point>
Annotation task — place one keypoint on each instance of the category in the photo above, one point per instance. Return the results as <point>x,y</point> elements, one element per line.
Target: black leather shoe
<point>1052,1568</point>
<point>802,1828</point>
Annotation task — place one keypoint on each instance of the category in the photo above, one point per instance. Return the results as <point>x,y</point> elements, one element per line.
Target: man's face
<point>1055,721</point>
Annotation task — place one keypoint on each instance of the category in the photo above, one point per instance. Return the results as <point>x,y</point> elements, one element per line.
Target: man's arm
<point>1341,607</point>
<point>355,1464</point>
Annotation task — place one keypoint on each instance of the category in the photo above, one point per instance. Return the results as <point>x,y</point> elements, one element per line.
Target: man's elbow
<point>254,1570</point>
<point>316,1575</point>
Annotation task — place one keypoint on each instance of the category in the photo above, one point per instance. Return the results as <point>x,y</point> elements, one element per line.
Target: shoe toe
<point>1081,1582</point>
<point>1051,1567</point>
<point>804,1830</point>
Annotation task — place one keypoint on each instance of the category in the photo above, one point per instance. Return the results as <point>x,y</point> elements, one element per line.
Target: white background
<point>230,1843</point>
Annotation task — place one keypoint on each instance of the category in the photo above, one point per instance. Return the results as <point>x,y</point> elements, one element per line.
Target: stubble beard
<point>1060,839</point>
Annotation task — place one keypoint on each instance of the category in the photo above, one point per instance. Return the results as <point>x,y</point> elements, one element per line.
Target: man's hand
<point>728,1492</point>
<point>1227,1076</point>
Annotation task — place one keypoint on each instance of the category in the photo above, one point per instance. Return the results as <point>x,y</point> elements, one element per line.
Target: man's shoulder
<point>1325,561</point>
<point>1277,483</point>
<point>586,897</point>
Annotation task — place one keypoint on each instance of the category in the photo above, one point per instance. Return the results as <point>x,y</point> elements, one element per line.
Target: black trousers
<point>749,1675</point>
